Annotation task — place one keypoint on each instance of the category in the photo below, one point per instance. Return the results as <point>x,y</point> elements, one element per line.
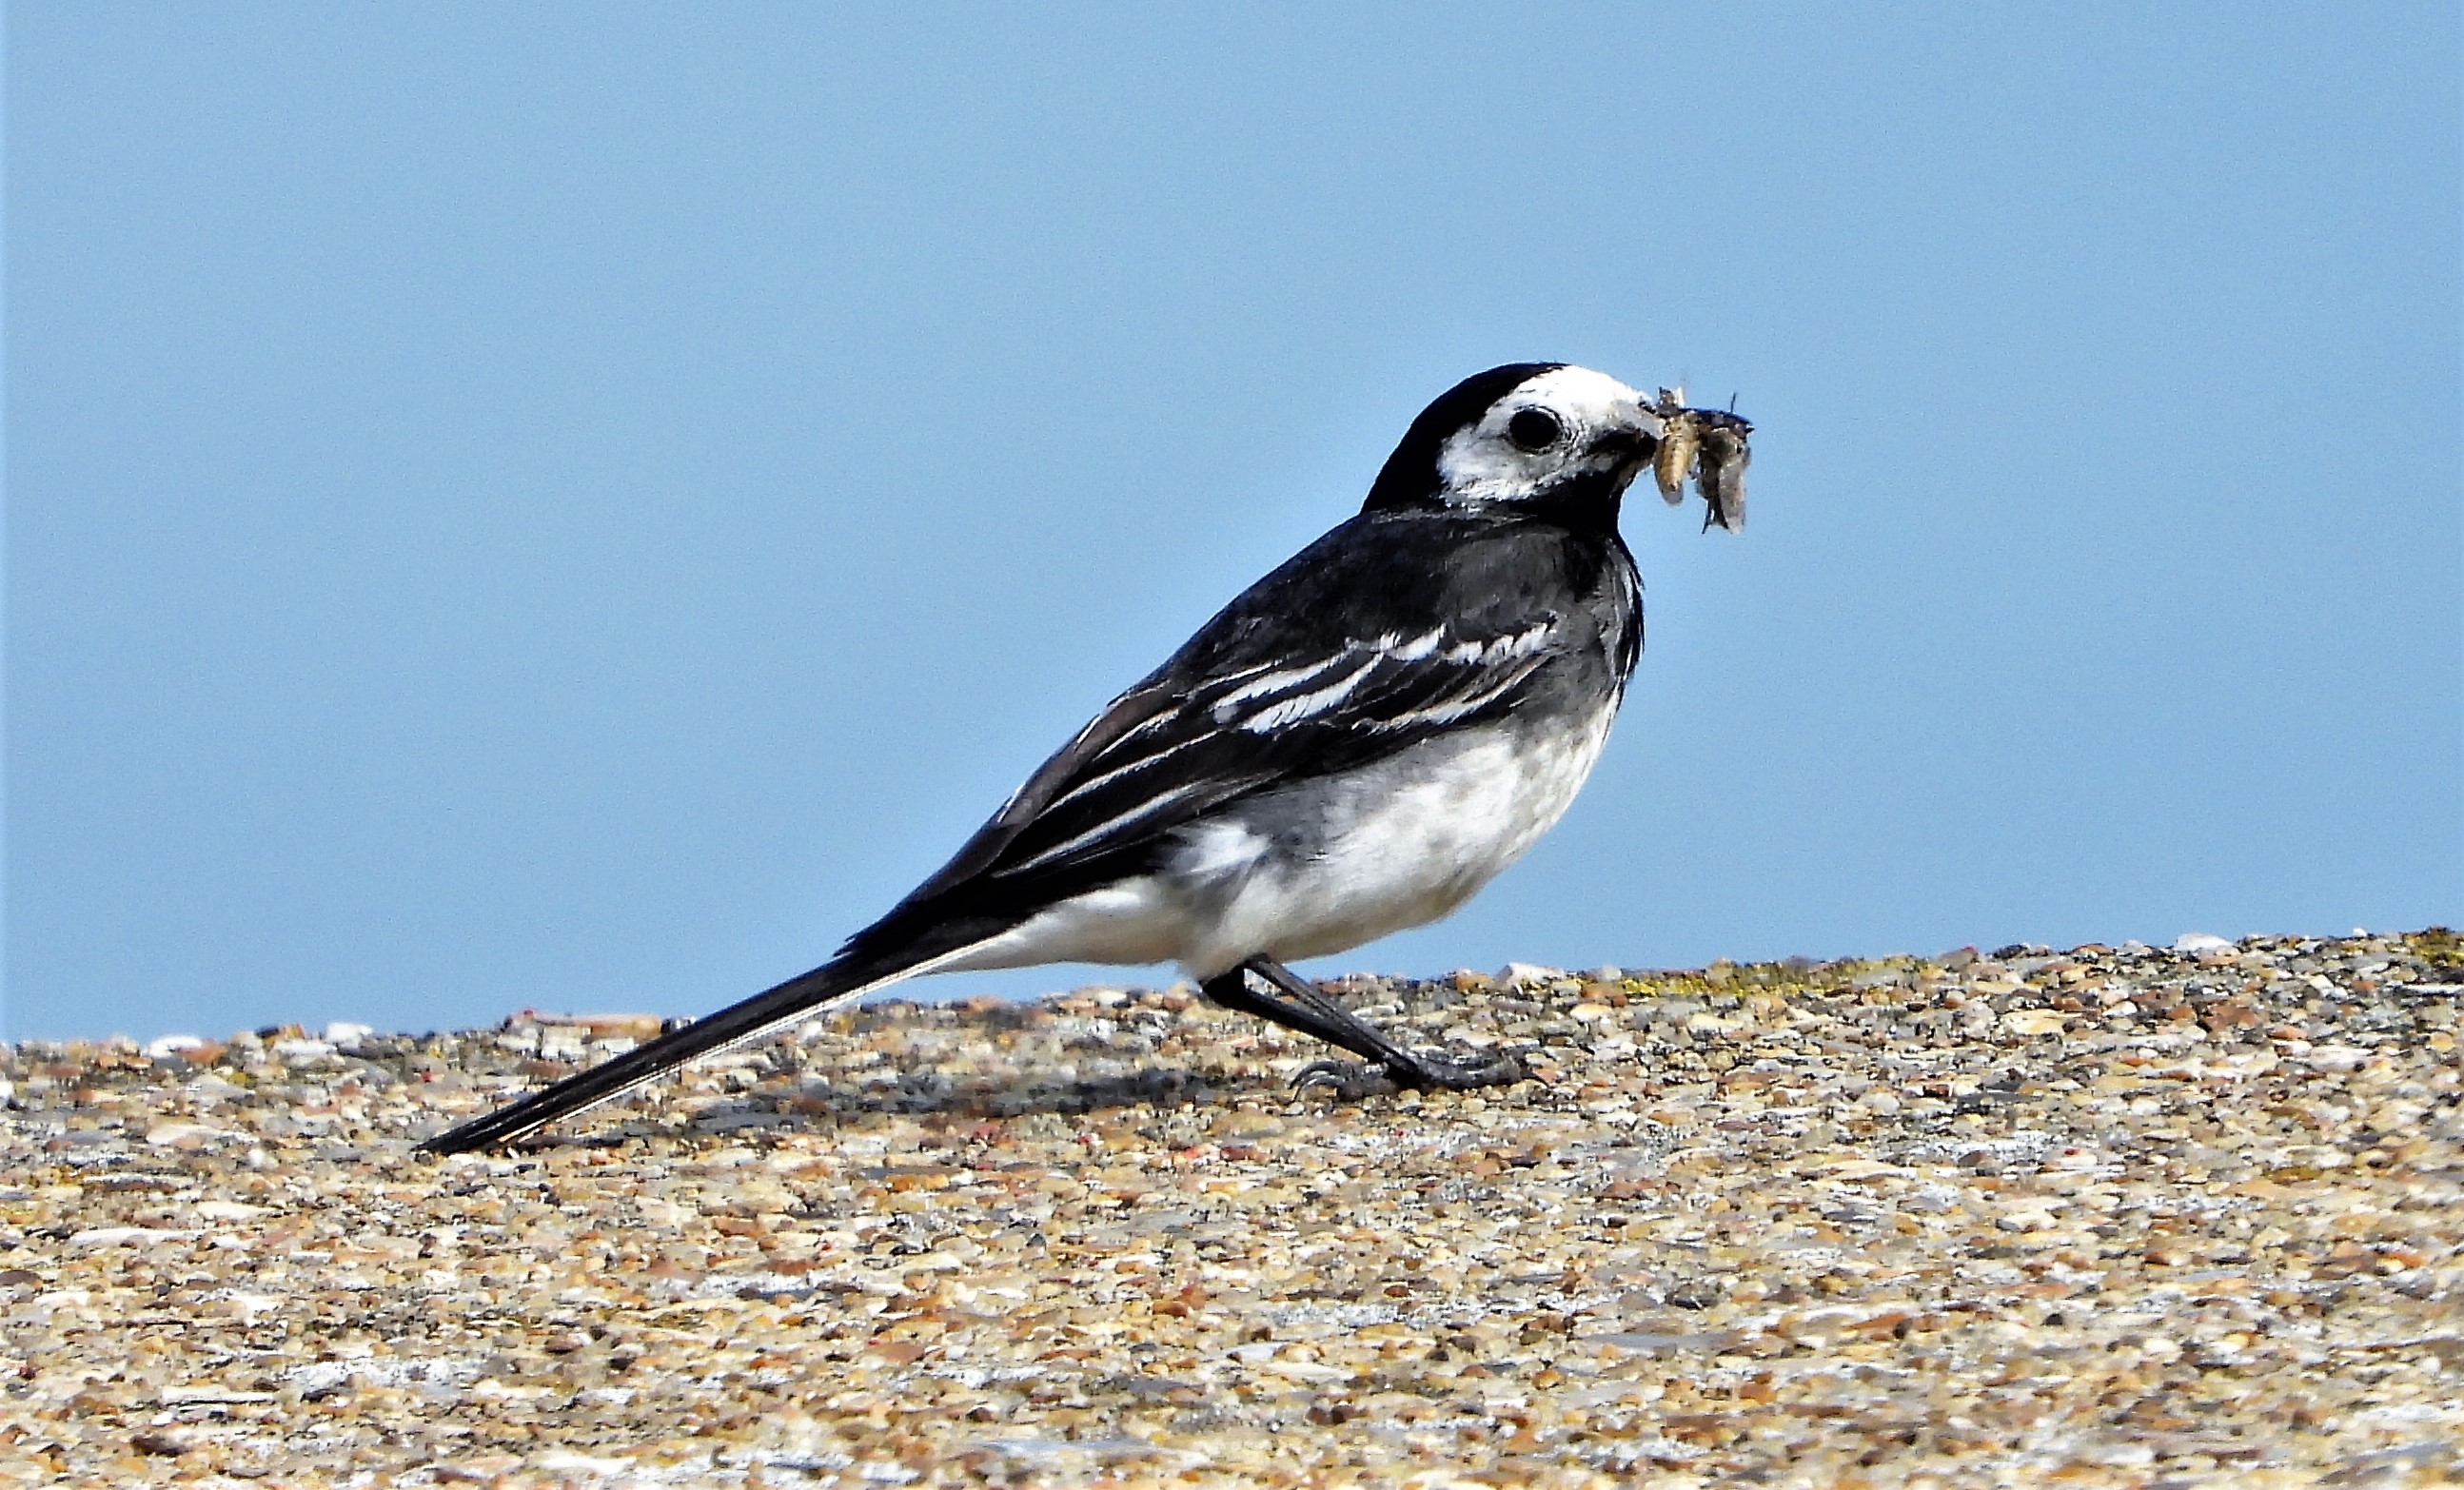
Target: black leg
<point>1307,1008</point>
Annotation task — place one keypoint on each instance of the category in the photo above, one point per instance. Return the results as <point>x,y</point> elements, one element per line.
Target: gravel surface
<point>2100,1217</point>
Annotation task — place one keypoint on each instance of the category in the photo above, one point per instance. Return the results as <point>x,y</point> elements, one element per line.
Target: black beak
<point>1625,444</point>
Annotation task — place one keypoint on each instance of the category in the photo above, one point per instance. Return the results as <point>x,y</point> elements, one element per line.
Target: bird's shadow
<point>1180,1060</point>
<point>937,1100</point>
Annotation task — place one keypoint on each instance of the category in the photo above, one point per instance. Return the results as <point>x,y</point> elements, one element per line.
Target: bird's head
<point>1539,434</point>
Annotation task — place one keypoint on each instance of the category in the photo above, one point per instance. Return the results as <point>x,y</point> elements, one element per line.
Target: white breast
<point>1397,845</point>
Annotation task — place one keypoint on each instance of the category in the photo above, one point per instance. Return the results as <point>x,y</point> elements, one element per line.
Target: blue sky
<point>581,505</point>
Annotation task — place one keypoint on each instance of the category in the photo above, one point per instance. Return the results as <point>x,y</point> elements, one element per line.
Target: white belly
<point>1406,842</point>
<point>1324,866</point>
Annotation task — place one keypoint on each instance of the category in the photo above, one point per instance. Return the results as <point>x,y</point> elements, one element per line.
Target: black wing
<point>1390,628</point>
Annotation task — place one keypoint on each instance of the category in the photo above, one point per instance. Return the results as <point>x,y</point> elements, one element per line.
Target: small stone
<point>2334,1060</point>
<point>483,1469</point>
<point>182,1135</point>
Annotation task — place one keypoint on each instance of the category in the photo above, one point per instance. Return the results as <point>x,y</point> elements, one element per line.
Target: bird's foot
<point>1348,1081</point>
<point>1435,1072</point>
<point>1351,1080</point>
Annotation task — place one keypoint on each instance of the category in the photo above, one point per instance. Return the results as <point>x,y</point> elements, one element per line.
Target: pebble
<point>2098,1216</point>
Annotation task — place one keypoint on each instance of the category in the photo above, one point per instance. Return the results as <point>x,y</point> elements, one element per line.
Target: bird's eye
<point>1534,429</point>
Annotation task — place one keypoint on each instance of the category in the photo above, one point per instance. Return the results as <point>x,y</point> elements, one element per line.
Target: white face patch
<point>1486,462</point>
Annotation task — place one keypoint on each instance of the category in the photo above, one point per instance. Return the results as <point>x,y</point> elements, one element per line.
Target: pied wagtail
<point>1353,746</point>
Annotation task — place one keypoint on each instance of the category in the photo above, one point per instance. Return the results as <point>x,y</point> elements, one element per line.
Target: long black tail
<point>842,979</point>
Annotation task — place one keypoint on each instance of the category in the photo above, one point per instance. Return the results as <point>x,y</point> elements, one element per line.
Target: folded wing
<point>1191,740</point>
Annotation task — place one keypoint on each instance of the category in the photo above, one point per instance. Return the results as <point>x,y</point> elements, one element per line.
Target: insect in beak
<point>1709,446</point>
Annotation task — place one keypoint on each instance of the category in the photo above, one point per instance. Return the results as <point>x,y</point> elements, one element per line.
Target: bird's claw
<point>1352,1080</point>
<point>1349,1080</point>
<point>1440,1073</point>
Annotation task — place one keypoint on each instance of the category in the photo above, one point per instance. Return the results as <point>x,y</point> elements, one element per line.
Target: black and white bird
<point>1355,746</point>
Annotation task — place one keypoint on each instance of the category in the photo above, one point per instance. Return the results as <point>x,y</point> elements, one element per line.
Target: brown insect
<point>1709,446</point>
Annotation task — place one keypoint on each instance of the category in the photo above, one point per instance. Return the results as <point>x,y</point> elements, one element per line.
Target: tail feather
<point>797,998</point>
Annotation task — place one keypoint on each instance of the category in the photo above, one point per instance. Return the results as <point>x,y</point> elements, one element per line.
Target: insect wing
<point>1722,476</point>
